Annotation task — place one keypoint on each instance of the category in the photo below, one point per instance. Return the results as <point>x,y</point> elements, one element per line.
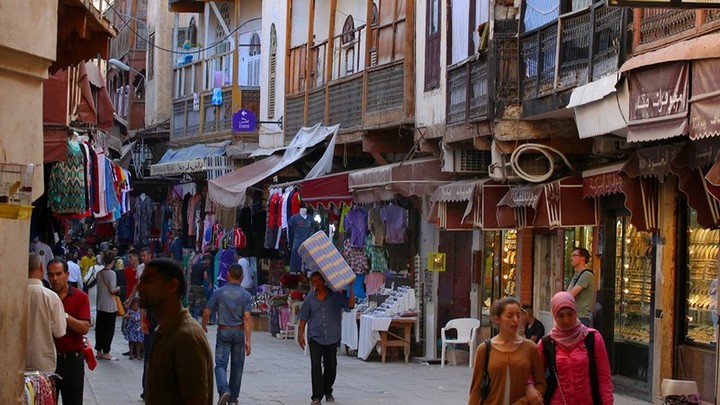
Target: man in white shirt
<point>248,281</point>
<point>46,320</point>
<point>75,274</point>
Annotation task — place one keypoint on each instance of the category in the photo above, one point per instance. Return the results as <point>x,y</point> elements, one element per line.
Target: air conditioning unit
<point>465,161</point>
<point>606,145</point>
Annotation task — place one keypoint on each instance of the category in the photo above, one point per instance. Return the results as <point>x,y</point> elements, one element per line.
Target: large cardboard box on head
<point>319,254</point>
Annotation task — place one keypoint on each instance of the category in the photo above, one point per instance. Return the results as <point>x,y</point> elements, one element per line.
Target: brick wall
<point>525,252</point>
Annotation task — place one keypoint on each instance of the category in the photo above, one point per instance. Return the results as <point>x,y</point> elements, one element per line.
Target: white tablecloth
<point>369,335</point>
<point>349,334</point>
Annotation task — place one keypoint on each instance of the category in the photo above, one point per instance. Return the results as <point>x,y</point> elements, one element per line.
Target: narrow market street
<point>277,372</point>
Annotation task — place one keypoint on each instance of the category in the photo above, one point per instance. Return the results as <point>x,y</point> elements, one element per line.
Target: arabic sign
<point>173,168</point>
<point>705,107</point>
<point>244,121</point>
<point>659,92</point>
<point>602,184</point>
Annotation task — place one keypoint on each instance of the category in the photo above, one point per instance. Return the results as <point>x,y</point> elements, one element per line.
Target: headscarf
<point>567,338</point>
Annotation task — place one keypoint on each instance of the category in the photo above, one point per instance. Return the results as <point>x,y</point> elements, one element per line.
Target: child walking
<point>134,334</point>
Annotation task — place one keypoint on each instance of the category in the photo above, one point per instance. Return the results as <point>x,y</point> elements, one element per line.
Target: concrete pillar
<point>27,47</point>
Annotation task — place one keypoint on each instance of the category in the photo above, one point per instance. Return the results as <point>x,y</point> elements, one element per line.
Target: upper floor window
<point>432,45</point>
<point>255,44</point>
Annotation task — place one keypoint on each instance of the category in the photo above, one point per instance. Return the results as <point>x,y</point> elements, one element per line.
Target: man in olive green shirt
<point>180,367</point>
<point>582,286</point>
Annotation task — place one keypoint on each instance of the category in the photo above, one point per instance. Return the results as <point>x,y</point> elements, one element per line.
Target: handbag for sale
<point>88,353</point>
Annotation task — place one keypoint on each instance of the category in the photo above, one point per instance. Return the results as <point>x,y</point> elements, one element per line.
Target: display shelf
<point>701,285</point>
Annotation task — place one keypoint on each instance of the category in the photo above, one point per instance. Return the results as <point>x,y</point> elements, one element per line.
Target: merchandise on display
<point>702,285</point>
<point>633,288</point>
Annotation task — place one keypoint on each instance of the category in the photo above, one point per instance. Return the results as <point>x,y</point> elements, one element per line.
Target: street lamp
<point>125,68</point>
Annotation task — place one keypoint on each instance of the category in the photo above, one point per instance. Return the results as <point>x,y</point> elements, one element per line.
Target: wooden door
<point>454,283</point>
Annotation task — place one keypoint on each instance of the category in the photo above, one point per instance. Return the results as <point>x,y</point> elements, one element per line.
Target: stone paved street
<point>278,373</point>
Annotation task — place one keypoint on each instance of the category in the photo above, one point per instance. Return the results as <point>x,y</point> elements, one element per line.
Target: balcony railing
<point>587,43</point>
<point>188,79</point>
<point>349,49</point>
<point>659,24</point>
<point>187,117</point>
<point>467,96</point>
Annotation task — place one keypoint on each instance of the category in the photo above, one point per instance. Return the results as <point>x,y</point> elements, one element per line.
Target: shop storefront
<point>627,208</point>
<point>697,252</point>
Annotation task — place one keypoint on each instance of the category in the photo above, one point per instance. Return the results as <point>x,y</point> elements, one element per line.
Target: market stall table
<point>388,332</point>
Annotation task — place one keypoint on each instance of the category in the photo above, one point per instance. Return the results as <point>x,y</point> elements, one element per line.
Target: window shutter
<point>181,36</point>
<point>271,86</point>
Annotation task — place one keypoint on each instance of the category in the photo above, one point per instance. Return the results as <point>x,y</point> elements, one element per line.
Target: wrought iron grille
<point>657,24</point>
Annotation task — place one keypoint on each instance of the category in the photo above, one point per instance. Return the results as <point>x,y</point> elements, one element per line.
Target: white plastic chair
<point>291,326</point>
<point>466,331</point>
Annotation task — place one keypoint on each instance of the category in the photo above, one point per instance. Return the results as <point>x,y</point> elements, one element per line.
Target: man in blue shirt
<point>322,313</point>
<point>233,304</point>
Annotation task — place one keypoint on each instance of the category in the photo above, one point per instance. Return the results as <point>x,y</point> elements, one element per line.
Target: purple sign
<point>243,121</point>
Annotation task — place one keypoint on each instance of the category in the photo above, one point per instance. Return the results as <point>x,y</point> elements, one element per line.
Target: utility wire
<point>212,45</point>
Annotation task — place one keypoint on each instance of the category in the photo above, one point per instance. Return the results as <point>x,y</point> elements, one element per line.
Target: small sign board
<point>244,121</point>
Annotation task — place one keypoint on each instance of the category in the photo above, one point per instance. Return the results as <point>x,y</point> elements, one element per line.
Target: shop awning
<point>690,165</point>
<point>413,177</point>
<point>191,159</point>
<point>651,162</point>
<point>703,47</point>
<point>54,144</point>
<point>457,205</point>
<point>558,203</point>
<point>230,190</point>
<point>602,181</point>
<point>608,180</point>
<point>562,205</point>
<point>326,190</point>
<point>92,88</point>
<point>492,193</point>
<point>658,106</point>
<point>704,114</point>
<point>601,108</point>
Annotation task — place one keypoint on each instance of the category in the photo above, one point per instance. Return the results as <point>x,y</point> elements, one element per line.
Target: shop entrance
<point>454,283</point>
<point>626,303</point>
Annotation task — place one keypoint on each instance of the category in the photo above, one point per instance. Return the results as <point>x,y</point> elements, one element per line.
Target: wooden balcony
<point>658,27</point>
<point>578,48</point>
<point>202,121</point>
<point>467,91</point>
<point>376,97</point>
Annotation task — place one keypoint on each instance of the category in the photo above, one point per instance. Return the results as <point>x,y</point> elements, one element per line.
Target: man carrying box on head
<point>321,312</point>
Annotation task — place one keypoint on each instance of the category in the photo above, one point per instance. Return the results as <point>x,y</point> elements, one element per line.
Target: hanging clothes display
<point>143,220</point>
<point>356,224</point>
<point>66,190</point>
<point>299,229</point>
<point>395,219</point>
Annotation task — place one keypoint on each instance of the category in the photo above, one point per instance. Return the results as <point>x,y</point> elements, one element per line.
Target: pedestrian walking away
<point>106,309</point>
<point>179,369</point>
<point>513,361</point>
<point>70,358</point>
<point>233,304</point>
<point>321,314</point>
<point>45,320</point>
<point>575,358</point>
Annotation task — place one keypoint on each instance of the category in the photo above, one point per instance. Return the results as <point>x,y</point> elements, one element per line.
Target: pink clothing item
<point>373,282</point>
<point>573,372</point>
<point>562,300</point>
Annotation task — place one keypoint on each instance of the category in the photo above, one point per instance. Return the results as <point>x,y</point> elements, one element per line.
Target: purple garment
<point>227,258</point>
<point>395,220</point>
<point>356,223</point>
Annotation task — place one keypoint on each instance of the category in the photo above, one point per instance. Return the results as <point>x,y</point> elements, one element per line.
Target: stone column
<point>27,47</point>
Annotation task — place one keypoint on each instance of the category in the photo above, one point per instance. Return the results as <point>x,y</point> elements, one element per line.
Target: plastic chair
<point>291,326</point>
<point>466,331</point>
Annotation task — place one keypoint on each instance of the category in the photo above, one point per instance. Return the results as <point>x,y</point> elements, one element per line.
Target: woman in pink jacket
<point>572,358</point>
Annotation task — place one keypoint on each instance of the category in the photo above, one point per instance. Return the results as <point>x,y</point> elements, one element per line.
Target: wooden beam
<point>308,55</point>
<point>566,145</point>
<point>378,158</point>
<point>387,142</point>
<point>329,60</point>
<point>521,130</point>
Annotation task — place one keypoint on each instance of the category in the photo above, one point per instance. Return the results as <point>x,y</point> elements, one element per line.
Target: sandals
<point>107,356</point>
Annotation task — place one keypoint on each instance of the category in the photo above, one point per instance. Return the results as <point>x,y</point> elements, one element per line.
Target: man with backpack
<point>582,286</point>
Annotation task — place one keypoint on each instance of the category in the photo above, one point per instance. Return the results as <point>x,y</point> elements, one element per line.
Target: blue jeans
<point>230,343</point>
